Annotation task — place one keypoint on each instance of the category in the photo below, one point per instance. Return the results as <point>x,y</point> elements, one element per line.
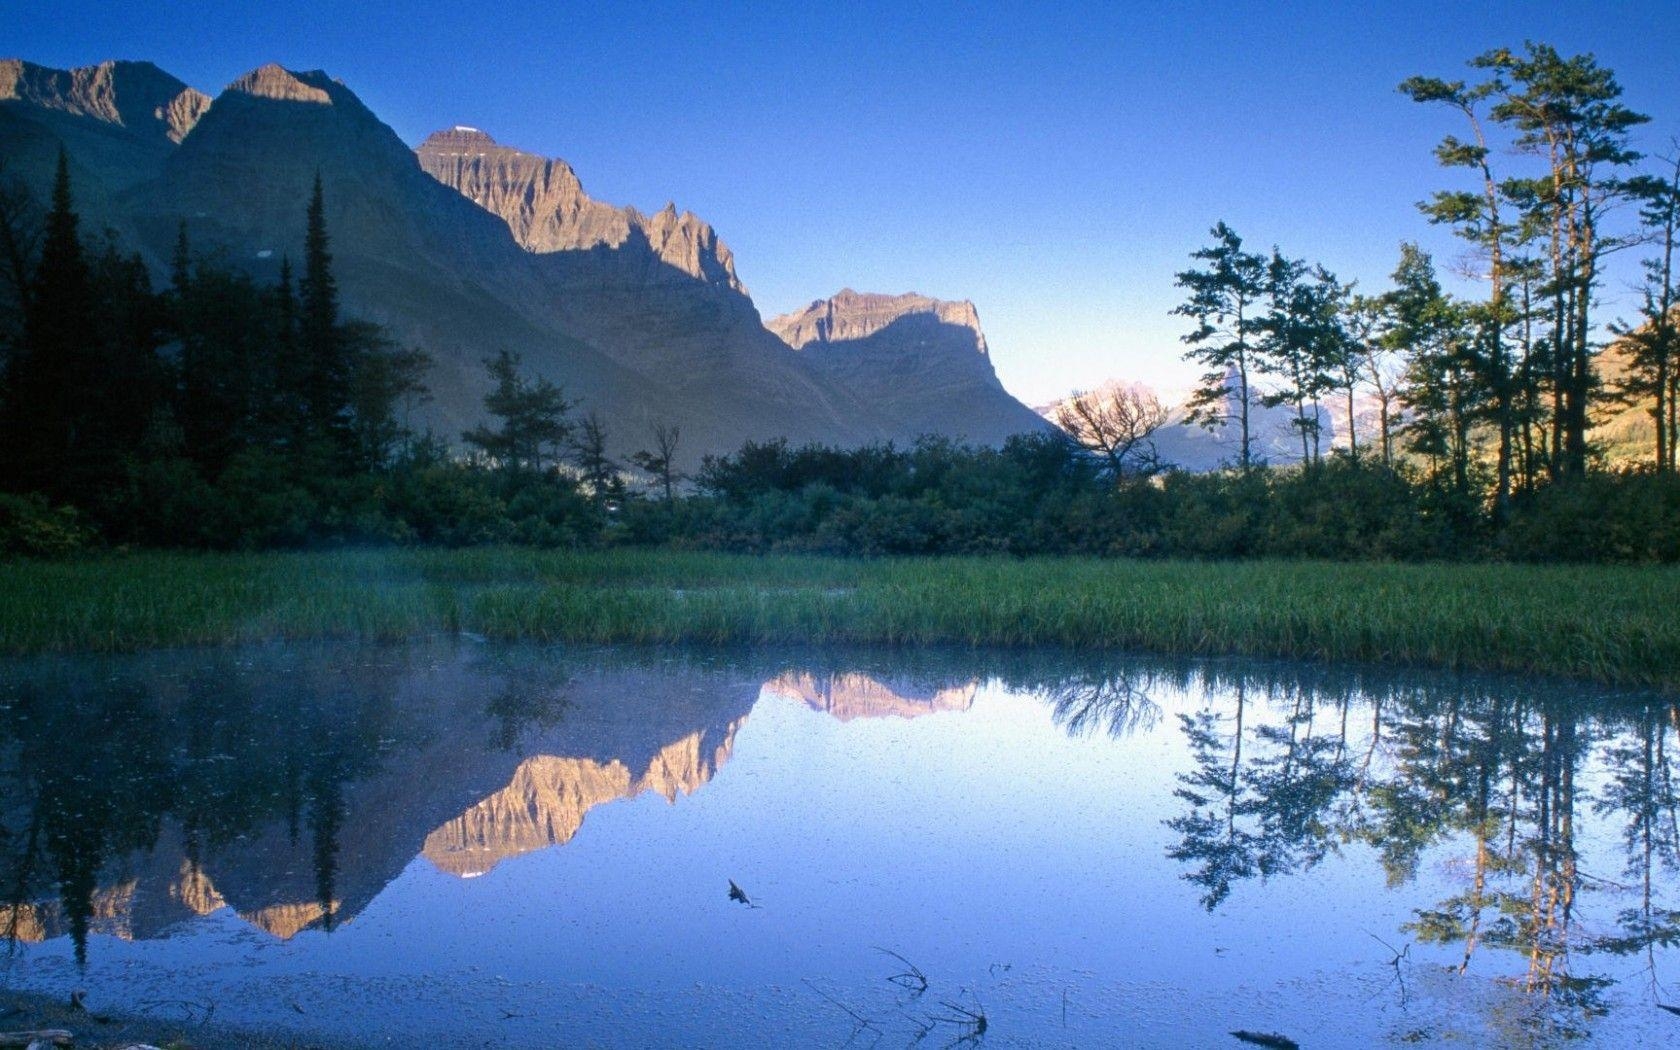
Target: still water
<point>473,845</point>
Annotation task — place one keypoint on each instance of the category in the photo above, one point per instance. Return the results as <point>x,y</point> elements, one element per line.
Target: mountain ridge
<point>640,317</point>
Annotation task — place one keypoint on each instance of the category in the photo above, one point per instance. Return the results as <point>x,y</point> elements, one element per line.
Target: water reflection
<point>1490,775</point>
<point>292,786</point>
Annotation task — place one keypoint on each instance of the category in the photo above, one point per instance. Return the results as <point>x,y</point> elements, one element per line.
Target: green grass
<point>1611,624</point>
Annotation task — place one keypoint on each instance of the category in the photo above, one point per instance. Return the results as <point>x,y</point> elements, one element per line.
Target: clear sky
<point>1056,168</point>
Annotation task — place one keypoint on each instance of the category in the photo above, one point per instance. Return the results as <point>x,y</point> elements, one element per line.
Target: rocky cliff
<point>546,209</point>
<point>924,361</point>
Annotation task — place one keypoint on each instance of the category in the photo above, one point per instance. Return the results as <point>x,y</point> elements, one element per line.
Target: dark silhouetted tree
<point>533,419</point>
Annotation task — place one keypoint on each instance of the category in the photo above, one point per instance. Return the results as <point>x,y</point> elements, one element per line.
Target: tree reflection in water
<point>1481,772</point>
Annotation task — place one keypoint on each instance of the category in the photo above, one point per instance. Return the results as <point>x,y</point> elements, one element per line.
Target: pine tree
<point>1222,303</point>
<point>45,399</point>
<point>532,414</point>
<point>320,347</point>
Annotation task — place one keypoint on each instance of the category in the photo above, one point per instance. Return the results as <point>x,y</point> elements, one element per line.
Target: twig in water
<point>912,979</point>
<point>970,1023</point>
<point>191,1009</point>
<point>1399,957</point>
<point>859,1022</point>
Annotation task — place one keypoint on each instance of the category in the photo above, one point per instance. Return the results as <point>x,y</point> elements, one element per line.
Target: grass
<point>1611,624</point>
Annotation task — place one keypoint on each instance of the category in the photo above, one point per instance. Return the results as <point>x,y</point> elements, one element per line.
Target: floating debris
<point>738,894</point>
<point>1268,1039</point>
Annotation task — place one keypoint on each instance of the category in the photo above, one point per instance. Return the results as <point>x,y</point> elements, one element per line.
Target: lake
<point>478,845</point>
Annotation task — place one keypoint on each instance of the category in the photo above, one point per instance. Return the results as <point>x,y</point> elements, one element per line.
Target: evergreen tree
<point>1444,394</point>
<point>321,349</point>
<point>46,397</point>
<point>1568,112</point>
<point>533,419</point>
<point>1653,344</point>
<point>1477,217</point>
<point>1222,303</point>
<point>385,380</point>
<point>1302,342</point>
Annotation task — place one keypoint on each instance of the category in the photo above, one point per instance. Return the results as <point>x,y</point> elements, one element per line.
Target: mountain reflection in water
<point>1490,843</point>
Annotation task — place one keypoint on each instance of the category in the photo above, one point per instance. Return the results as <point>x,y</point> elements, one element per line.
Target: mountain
<point>465,247</point>
<point>661,291</point>
<point>543,202</point>
<point>119,119</point>
<point>849,696</point>
<point>925,361</point>
<point>1191,446</point>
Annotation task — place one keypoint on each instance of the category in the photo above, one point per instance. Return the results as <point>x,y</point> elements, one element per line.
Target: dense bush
<point>30,525</point>
<point>1601,517</point>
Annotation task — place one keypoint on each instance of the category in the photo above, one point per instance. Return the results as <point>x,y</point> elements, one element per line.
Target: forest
<point>218,413</point>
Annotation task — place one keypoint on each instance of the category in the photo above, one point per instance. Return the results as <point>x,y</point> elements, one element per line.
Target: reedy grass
<point>1611,624</point>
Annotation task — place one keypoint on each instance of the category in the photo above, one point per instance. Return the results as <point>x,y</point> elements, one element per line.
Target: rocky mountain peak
<point>134,95</point>
<point>458,139</point>
<point>545,206</point>
<point>276,82</point>
<point>849,316</point>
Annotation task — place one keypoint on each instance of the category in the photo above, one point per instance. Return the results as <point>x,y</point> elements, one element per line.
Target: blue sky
<point>1054,168</point>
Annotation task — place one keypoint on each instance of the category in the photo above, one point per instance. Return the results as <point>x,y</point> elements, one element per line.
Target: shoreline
<point>1607,624</point>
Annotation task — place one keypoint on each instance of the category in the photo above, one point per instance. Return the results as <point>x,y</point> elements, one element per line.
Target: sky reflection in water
<point>535,846</point>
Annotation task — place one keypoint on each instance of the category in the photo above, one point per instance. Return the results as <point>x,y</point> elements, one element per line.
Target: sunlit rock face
<point>111,914</point>
<point>137,96</point>
<point>547,210</point>
<point>118,121</point>
<point>549,796</point>
<point>923,361</point>
<point>849,696</point>
<point>193,891</point>
<point>849,316</point>
<point>288,920</point>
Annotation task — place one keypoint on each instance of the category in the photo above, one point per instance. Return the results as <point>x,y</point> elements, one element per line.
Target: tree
<point>1568,111</point>
<point>46,395</point>
<point>1362,321</point>
<point>20,242</point>
<point>324,370</point>
<point>1476,217</point>
<point>1221,303</point>
<point>1302,342</point>
<point>1653,344</point>
<point>533,413</point>
<point>1117,423</point>
<point>589,454</point>
<point>660,461</point>
<point>1382,364</point>
<point>1443,392</point>
<point>384,377</point>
